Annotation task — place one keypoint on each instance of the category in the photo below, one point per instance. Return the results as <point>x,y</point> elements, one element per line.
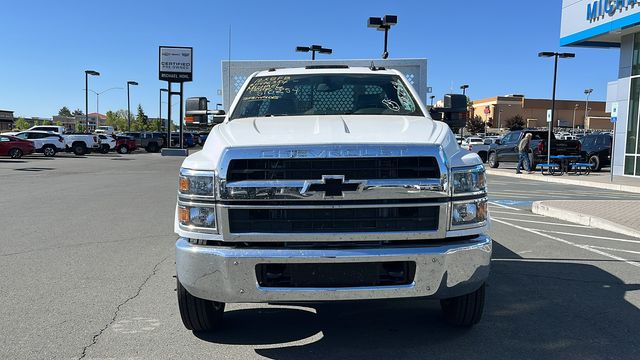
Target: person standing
<point>523,154</point>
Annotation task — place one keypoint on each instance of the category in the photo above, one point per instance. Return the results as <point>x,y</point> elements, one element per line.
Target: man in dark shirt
<point>523,154</point>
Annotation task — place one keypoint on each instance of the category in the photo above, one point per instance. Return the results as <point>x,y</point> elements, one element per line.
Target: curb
<point>541,208</point>
<point>559,180</point>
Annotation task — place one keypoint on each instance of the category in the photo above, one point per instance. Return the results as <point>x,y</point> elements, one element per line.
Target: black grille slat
<point>333,220</point>
<point>380,168</point>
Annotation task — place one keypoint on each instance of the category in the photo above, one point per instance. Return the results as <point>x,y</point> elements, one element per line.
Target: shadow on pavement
<point>12,161</point>
<point>535,310</point>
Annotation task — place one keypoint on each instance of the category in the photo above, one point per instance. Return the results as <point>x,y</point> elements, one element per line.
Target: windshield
<point>326,94</point>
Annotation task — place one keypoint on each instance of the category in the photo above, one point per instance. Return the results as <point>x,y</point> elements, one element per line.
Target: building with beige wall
<point>497,110</point>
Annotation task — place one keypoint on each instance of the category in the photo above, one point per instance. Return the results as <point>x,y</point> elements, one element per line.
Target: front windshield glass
<point>326,94</point>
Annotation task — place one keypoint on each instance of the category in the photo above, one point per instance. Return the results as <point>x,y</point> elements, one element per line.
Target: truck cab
<point>330,183</point>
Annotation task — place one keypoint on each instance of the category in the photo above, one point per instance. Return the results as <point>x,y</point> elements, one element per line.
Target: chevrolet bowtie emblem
<point>332,185</point>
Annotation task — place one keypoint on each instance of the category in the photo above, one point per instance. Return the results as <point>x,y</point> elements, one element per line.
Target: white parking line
<point>542,222</point>
<point>584,247</point>
<point>592,236</point>
<point>504,206</point>
<point>612,249</point>
<point>512,213</point>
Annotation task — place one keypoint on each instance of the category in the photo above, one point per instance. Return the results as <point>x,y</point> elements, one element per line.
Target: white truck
<point>77,143</point>
<point>330,183</point>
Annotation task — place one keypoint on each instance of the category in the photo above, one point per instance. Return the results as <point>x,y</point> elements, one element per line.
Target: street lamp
<point>555,55</point>
<point>129,104</point>
<point>383,24</point>
<point>574,117</point>
<point>160,106</point>
<point>586,106</point>
<point>314,49</point>
<point>98,98</point>
<point>86,95</point>
<point>464,89</point>
<point>432,97</point>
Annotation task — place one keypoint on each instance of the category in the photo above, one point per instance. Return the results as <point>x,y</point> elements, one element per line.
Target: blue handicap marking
<point>514,202</point>
<point>614,119</point>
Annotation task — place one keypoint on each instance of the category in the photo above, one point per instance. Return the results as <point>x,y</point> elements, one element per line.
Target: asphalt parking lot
<point>88,262</point>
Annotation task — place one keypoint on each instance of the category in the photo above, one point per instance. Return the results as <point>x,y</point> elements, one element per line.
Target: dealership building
<point>613,24</point>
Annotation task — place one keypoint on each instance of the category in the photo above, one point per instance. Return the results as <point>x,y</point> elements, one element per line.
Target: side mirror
<point>196,110</point>
<point>218,116</point>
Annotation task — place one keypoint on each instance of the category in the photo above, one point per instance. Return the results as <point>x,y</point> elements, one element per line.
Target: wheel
<point>152,147</point>
<point>198,314</point>
<point>79,149</point>
<point>104,149</point>
<point>493,160</point>
<point>483,157</point>
<point>465,310</point>
<point>123,149</point>
<point>532,161</point>
<point>49,151</point>
<point>15,153</point>
<point>595,163</point>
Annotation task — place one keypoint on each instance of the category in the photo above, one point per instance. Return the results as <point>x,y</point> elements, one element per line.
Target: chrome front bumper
<point>228,275</point>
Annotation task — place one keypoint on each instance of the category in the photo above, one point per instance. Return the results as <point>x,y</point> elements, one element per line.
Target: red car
<point>14,147</point>
<point>125,144</point>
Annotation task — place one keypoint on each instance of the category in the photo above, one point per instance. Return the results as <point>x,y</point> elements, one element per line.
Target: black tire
<point>152,147</point>
<point>483,157</point>
<point>594,160</point>
<point>79,149</point>
<point>49,150</point>
<point>532,161</point>
<point>15,153</point>
<point>198,314</point>
<point>465,310</point>
<point>104,149</point>
<point>123,149</point>
<point>493,160</point>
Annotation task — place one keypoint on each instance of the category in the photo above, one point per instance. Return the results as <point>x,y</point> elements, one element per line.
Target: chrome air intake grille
<point>328,220</point>
<point>370,168</point>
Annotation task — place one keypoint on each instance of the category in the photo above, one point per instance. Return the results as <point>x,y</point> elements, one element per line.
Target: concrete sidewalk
<point>622,217</point>
<point>599,180</point>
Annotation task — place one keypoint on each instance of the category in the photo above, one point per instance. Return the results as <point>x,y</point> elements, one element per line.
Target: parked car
<point>482,149</point>
<point>188,139</point>
<point>108,130</point>
<point>77,143</point>
<point>15,147</point>
<point>471,141</point>
<point>506,149</point>
<point>107,143</point>
<point>203,137</point>
<point>43,142</point>
<point>150,141</point>
<point>596,149</point>
<point>125,144</point>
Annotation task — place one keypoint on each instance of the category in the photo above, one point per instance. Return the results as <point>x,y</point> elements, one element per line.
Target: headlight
<point>196,183</point>
<point>468,213</point>
<point>469,181</point>
<point>196,216</point>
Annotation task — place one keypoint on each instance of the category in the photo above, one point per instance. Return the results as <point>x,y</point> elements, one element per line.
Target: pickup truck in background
<point>506,149</point>
<point>77,143</point>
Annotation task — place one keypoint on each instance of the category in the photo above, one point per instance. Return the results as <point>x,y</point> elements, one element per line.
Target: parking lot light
<point>464,89</point>
<point>555,55</point>
<point>129,104</point>
<point>313,49</point>
<point>383,24</point>
<point>86,95</point>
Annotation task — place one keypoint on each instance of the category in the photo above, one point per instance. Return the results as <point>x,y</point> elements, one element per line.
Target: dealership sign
<point>176,63</point>
<point>600,8</point>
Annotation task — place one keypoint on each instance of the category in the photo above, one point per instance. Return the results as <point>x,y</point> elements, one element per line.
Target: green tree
<point>21,124</point>
<point>58,123</point>
<point>79,127</point>
<point>141,121</point>
<point>117,119</point>
<point>64,111</point>
<point>78,112</point>
<point>475,125</point>
<point>515,123</point>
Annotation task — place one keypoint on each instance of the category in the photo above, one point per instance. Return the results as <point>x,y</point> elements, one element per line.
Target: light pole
<point>383,24</point>
<point>587,92</point>
<point>98,98</point>
<point>129,104</point>
<point>314,49</point>
<point>574,117</point>
<point>86,95</point>
<point>555,55</point>
<point>160,106</point>
<point>464,89</point>
<point>432,97</point>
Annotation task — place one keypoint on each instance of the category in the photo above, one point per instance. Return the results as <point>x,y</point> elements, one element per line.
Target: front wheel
<point>104,149</point>
<point>15,153</point>
<point>198,314</point>
<point>465,310</point>
<point>49,151</point>
<point>493,160</point>
<point>595,163</point>
<point>79,149</point>
<point>123,149</point>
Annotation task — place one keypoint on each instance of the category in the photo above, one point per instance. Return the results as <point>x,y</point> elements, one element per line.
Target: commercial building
<point>6,120</point>
<point>497,111</point>
<point>616,25</point>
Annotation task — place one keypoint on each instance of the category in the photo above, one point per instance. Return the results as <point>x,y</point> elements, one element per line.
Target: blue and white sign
<point>597,22</point>
<point>614,112</point>
<point>549,114</point>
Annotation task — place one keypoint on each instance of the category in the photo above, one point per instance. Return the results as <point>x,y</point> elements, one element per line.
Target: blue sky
<point>492,45</point>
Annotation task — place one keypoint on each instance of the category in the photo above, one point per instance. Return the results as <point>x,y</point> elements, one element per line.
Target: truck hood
<point>331,129</point>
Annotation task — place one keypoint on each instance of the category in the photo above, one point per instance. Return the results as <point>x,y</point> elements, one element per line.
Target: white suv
<point>43,142</point>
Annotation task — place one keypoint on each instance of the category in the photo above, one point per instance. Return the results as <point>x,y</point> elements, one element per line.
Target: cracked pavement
<point>87,255</point>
